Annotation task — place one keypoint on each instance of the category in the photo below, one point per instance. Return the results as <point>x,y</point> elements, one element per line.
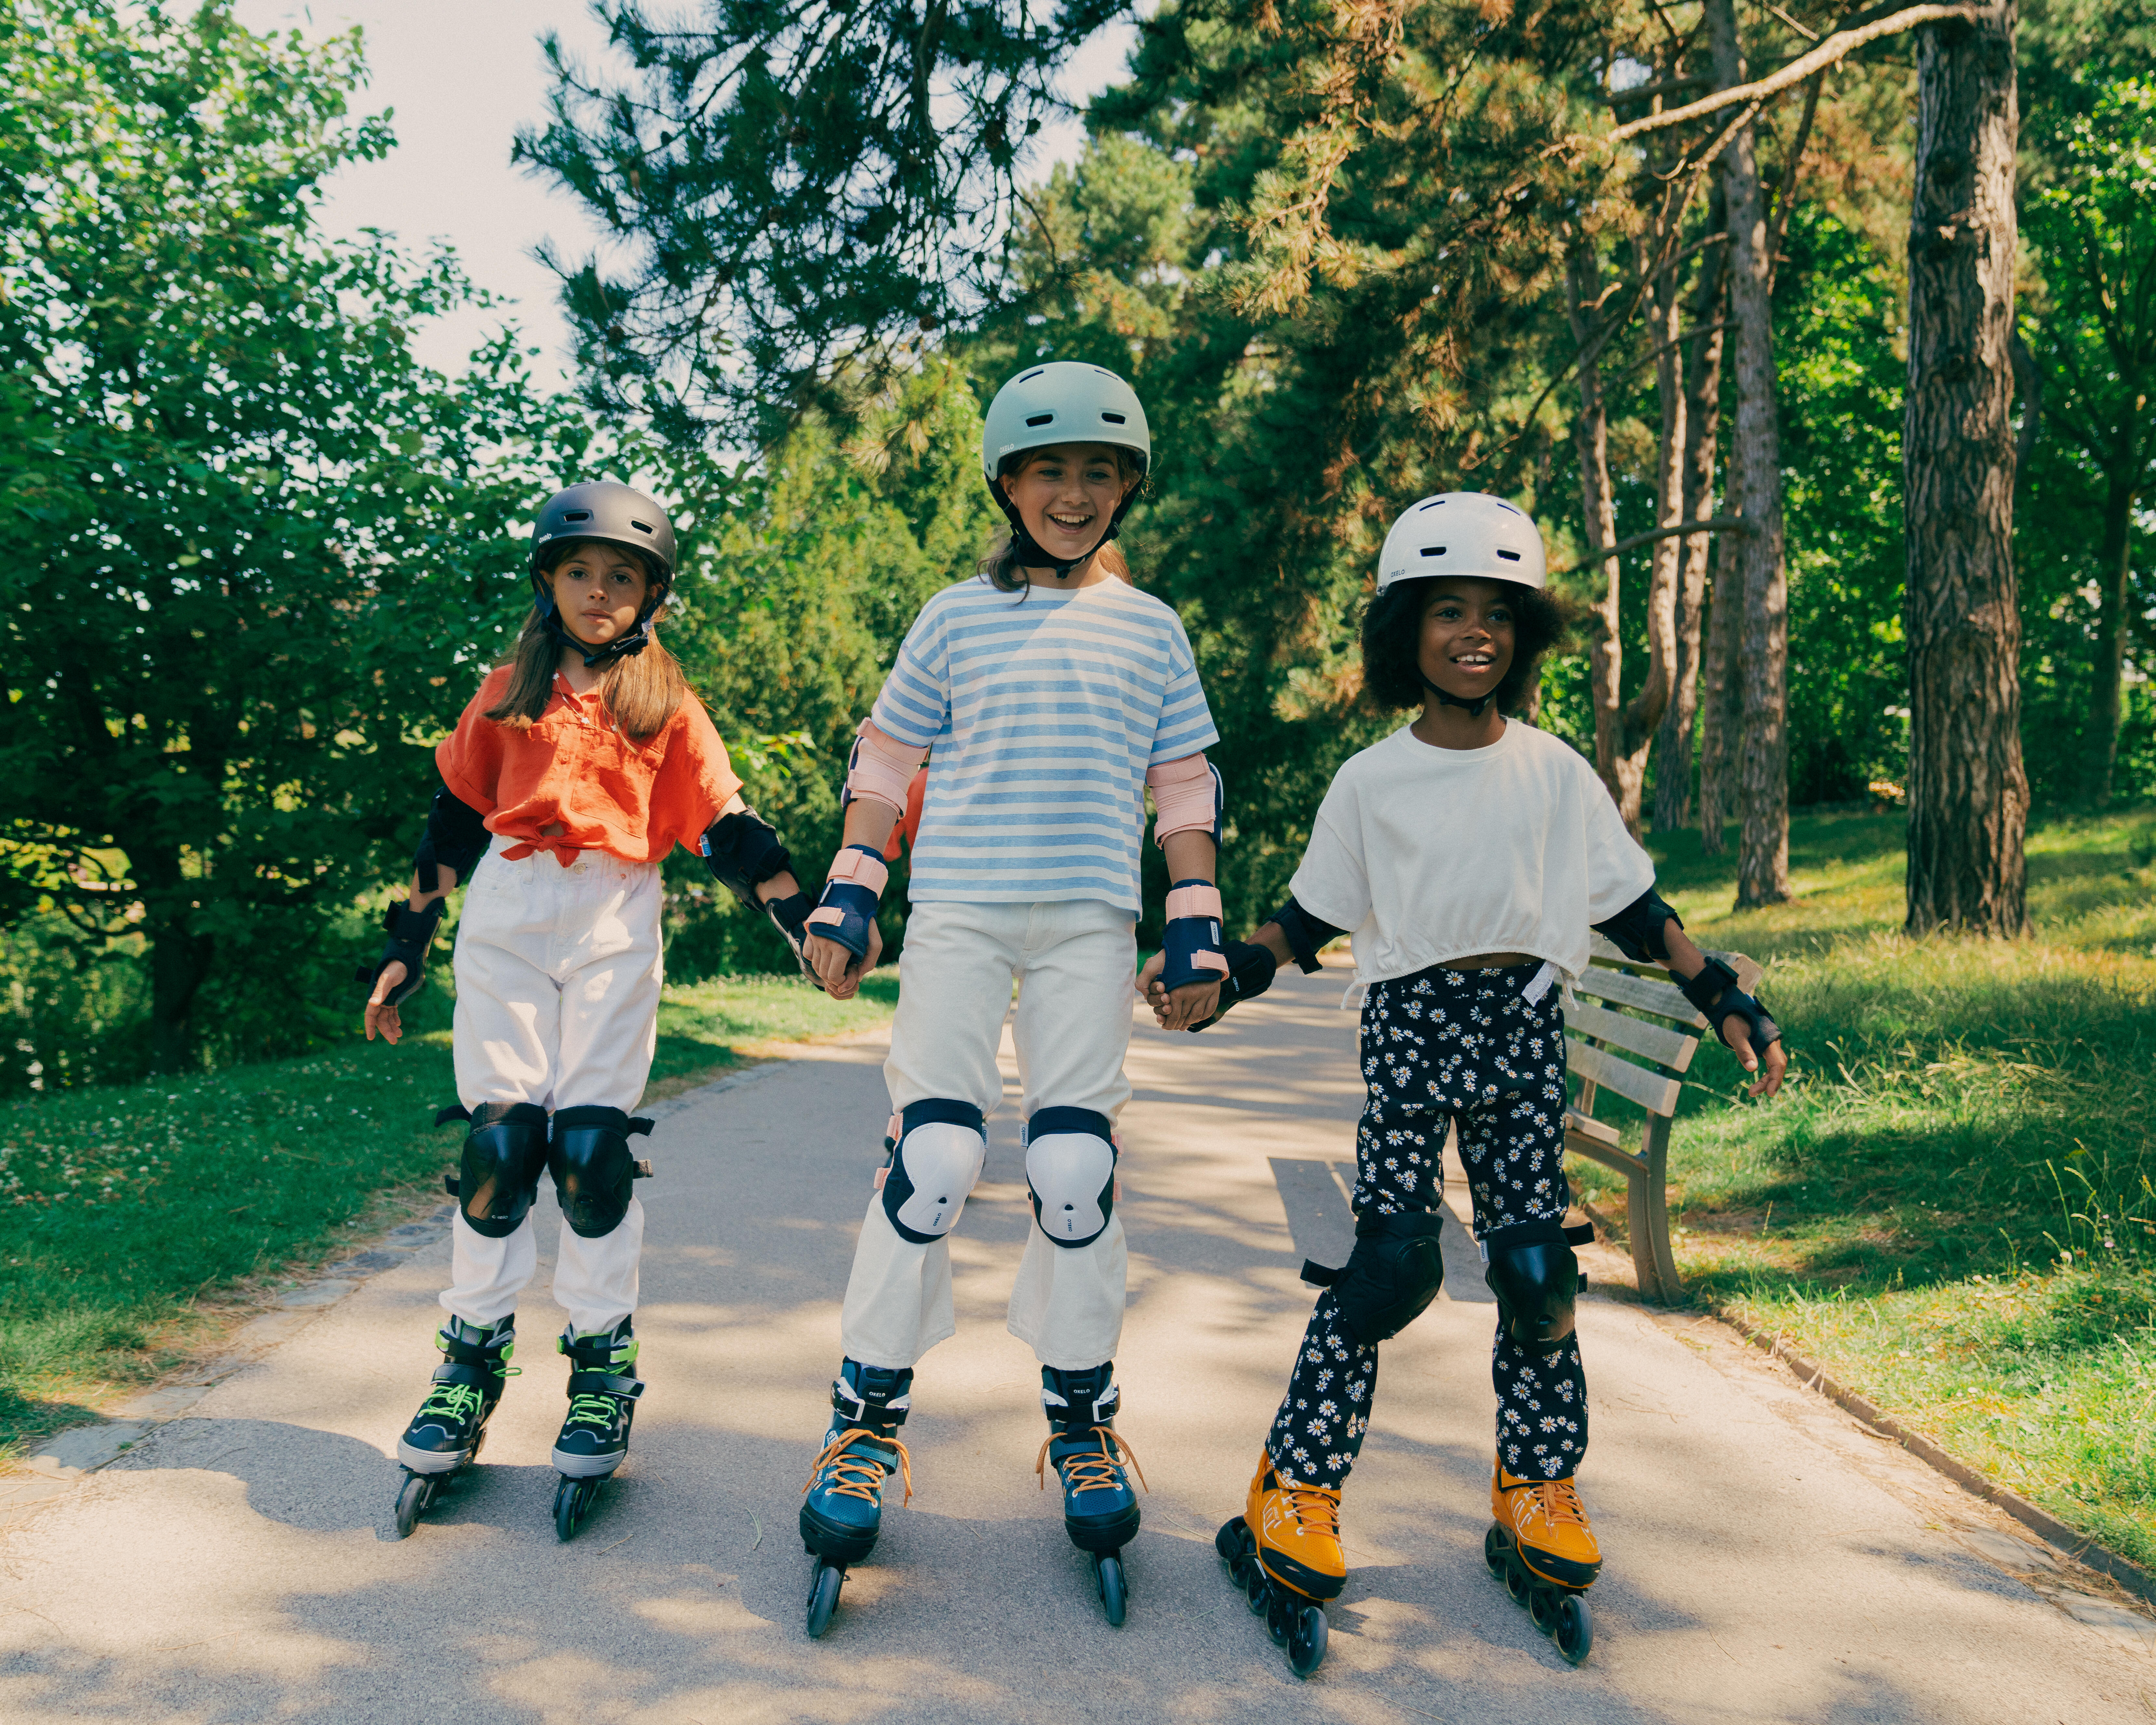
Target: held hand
<point>380,1015</point>
<point>1189,1006</point>
<point>838,971</point>
<point>1150,990</point>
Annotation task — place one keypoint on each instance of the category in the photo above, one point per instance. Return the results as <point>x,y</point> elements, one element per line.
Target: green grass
<point>1951,1209</point>
<point>136,1222</point>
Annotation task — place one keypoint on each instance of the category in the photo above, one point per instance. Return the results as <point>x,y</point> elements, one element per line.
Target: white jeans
<point>557,974</point>
<point>1074,961</point>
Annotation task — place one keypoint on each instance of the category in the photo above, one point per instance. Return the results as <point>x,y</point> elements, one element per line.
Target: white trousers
<point>1074,961</point>
<point>558,973</point>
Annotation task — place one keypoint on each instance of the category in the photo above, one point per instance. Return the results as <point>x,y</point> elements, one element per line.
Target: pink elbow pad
<point>880,767</point>
<point>1186,797</point>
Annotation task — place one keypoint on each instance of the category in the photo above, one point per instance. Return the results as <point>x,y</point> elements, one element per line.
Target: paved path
<point>1766,1561</point>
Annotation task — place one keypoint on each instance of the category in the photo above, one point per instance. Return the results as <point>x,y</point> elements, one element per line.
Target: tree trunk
<point>1673,748</point>
<point>1590,439</point>
<point>179,959</point>
<point>2117,557</point>
<point>1719,683</point>
<point>1763,740</point>
<point>1968,797</point>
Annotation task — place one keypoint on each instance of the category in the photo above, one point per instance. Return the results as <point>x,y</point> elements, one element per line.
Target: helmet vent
<point>576,515</point>
<point>1113,419</point>
<point>1432,551</point>
<point>1040,371</point>
<point>1510,557</point>
<point>646,527</point>
<point>1040,419</point>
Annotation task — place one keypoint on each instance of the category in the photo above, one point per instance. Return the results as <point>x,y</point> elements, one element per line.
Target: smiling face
<point>1066,496</point>
<point>1466,641</point>
<point>599,591</point>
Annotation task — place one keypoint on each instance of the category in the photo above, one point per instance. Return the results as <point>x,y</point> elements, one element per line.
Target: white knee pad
<point>933,1167</point>
<point>1070,1166</point>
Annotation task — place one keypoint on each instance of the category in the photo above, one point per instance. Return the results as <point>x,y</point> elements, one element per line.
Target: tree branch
<point>1713,524</point>
<point>1835,47</point>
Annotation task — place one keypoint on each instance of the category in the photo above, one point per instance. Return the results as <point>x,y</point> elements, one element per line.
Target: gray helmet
<point>617,515</point>
<point>1063,401</point>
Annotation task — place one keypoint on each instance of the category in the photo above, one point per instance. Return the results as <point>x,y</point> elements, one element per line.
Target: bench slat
<point>1641,1036</point>
<point>1589,1126</point>
<point>1664,999</point>
<point>1652,1091</point>
<point>1633,1167</point>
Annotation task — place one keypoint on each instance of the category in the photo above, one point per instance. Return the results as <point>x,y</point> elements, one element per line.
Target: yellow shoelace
<point>1091,1471</point>
<point>861,1476</point>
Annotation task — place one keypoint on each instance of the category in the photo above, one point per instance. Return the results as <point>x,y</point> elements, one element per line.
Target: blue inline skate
<point>844,1510</point>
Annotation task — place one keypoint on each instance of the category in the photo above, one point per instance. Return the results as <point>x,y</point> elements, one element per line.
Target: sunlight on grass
<point>1952,1208</point>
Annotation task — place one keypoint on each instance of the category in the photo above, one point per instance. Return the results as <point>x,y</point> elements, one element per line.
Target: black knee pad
<point>1535,1275</point>
<point>1391,1277</point>
<point>499,1174</point>
<point>1070,1171</point>
<point>594,1173</point>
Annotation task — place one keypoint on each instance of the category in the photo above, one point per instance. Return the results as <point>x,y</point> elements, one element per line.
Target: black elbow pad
<point>1305,934</point>
<point>1638,930</point>
<point>456,838</point>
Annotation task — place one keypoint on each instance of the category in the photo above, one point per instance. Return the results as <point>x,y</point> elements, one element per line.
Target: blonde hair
<point>640,692</point>
<point>1001,565</point>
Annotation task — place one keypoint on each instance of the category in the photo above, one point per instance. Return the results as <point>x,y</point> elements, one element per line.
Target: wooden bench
<point>1659,1024</point>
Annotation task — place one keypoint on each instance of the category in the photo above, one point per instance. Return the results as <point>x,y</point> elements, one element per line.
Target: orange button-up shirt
<point>575,771</point>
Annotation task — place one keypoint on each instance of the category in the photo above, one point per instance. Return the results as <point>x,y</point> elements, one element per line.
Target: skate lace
<point>1315,1512</point>
<point>1091,1469</point>
<point>1557,1501</point>
<point>860,1476</point>
<point>597,1411</point>
<point>450,1401</point>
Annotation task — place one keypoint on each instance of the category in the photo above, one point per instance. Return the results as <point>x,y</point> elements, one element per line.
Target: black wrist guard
<point>1305,934</point>
<point>1250,971</point>
<point>1641,930</point>
<point>742,851</point>
<point>1715,992</point>
<point>789,915</point>
<point>411,933</point>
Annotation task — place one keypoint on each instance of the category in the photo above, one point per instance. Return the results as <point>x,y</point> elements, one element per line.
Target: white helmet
<point>1063,401</point>
<point>1469,533</point>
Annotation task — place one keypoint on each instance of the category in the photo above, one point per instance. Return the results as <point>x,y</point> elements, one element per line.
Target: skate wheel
<point>823,1597</point>
<point>1115,1595</point>
<point>1516,1582</point>
<point>1495,1546</point>
<point>1233,1543</point>
<point>1306,1641</point>
<point>572,1502</point>
<point>1574,1629</point>
<point>1542,1608</point>
<point>1255,1586</point>
<point>1280,1616</point>
<point>412,1502</point>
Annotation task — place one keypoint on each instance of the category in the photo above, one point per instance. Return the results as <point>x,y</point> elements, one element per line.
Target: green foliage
<point>129,1213</point>
<point>1952,1208</point>
<point>264,539</point>
<point>794,190</point>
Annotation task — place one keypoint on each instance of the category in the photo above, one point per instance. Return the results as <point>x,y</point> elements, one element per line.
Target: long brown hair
<point>641,693</point>
<point>1006,574</point>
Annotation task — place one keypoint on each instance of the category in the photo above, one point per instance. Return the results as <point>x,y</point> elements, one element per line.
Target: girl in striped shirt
<point>1049,693</point>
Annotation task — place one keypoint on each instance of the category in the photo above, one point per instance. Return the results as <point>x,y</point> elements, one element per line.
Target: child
<point>1470,856</point>
<point>578,765</point>
<point>1051,693</point>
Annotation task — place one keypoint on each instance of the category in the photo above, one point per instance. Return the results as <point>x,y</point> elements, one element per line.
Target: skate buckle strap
<point>1091,1471</point>
<point>861,1476</point>
<point>585,1383</point>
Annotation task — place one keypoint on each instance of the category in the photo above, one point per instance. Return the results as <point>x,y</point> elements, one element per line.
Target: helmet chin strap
<point>1028,551</point>
<point>1474,707</point>
<point>626,645</point>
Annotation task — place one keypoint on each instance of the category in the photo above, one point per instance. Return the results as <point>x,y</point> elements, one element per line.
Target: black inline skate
<point>445,1435</point>
<point>1099,1510</point>
<point>593,1440</point>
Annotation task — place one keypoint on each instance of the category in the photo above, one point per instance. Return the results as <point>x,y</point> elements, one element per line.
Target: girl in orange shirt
<point>580,763</point>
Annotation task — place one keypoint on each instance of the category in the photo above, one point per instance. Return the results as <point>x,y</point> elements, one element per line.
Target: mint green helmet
<point>1063,401</point>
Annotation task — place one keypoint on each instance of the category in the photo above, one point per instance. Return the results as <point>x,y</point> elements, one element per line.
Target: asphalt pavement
<point>1765,1559</point>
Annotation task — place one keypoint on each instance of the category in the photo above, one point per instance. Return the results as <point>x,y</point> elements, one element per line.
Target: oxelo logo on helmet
<point>1469,534</point>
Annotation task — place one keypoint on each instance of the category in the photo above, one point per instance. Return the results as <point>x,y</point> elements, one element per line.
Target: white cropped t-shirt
<point>1429,855</point>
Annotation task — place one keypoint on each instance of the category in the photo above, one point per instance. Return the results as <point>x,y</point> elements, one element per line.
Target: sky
<point>460,77</point>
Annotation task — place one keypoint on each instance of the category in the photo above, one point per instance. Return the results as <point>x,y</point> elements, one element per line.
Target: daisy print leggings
<point>1438,1046</point>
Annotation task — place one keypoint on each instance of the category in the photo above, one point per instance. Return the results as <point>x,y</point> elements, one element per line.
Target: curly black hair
<point>1392,641</point>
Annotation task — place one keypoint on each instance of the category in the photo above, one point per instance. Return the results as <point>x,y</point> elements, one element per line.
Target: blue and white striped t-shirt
<point>1043,712</point>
